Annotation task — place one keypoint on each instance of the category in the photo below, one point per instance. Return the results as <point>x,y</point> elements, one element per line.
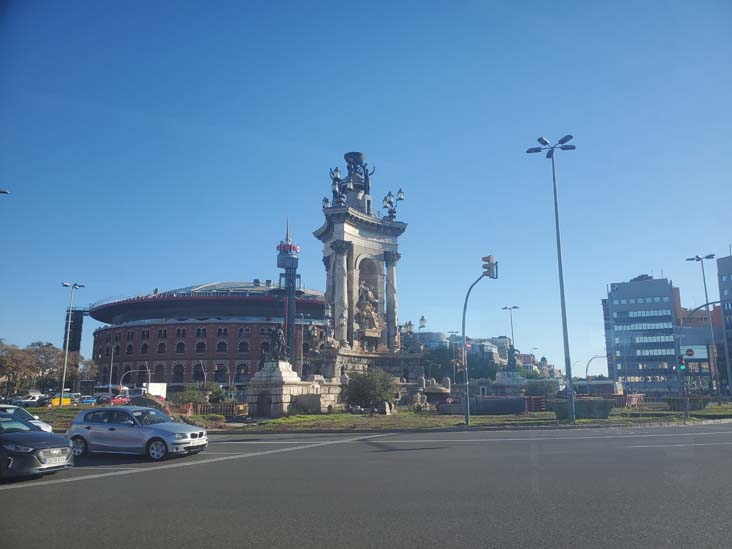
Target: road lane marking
<point>270,441</point>
<point>186,463</point>
<point>530,439</point>
<point>680,445</point>
<point>105,468</point>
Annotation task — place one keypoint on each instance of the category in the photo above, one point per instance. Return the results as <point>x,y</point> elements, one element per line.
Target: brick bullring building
<point>212,332</point>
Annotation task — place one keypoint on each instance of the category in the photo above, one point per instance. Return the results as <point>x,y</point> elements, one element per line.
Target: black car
<point>25,450</point>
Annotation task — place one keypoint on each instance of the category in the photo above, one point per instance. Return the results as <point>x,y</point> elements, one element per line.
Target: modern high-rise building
<point>724,277</point>
<point>646,330</point>
<point>640,316</point>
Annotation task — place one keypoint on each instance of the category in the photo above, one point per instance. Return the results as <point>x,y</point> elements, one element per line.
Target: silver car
<point>133,430</point>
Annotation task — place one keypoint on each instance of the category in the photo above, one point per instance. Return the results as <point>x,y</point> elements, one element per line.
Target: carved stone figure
<point>279,345</point>
<point>367,314</point>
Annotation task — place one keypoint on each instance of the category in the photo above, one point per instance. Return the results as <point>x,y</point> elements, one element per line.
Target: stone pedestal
<point>270,390</point>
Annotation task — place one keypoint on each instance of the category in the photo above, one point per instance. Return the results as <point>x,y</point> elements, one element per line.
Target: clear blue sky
<point>162,144</point>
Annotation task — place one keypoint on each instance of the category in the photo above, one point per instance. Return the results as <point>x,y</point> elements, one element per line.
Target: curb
<point>463,428</point>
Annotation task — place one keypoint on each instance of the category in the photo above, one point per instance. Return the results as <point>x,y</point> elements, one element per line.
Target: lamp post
<point>510,313</point>
<point>715,373</point>
<point>111,367</point>
<point>453,362</point>
<point>490,270</point>
<point>587,368</point>
<point>72,286</point>
<point>390,204</point>
<point>550,149</point>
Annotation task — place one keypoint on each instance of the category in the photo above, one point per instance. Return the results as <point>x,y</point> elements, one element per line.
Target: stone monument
<point>360,254</point>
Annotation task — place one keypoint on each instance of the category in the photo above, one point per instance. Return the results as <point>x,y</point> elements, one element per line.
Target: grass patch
<point>58,418</point>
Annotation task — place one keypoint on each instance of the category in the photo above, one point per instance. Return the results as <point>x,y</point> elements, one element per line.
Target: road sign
<point>689,352</point>
<point>468,345</point>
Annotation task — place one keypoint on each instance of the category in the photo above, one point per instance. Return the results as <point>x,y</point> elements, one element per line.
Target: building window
<point>615,302</point>
<point>222,332</point>
<point>130,335</point>
<point>262,332</point>
<point>632,301</point>
<point>200,332</point>
<point>159,375</point>
<point>724,278</point>
<point>161,348</point>
<point>143,349</point>
<point>264,347</point>
<point>145,334</point>
<point>129,349</point>
<point>221,347</point>
<point>162,334</point>
<point>178,373</point>
<point>107,351</point>
<point>201,347</point>
<point>198,374</point>
<point>180,347</point>
<point>726,291</point>
<point>665,299</point>
<point>243,332</point>
<point>220,374</point>
<point>116,350</point>
<point>116,337</point>
<point>243,347</point>
<point>180,333</point>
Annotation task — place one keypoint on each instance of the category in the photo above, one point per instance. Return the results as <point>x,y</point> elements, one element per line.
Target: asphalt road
<point>651,487</point>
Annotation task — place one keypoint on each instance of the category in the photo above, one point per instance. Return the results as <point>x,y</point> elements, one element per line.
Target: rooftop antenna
<point>661,272</point>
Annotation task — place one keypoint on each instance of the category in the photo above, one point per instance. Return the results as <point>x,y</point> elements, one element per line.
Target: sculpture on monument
<point>278,344</point>
<point>367,315</point>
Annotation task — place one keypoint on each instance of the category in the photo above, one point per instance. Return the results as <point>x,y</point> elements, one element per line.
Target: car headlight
<point>180,436</point>
<point>17,448</point>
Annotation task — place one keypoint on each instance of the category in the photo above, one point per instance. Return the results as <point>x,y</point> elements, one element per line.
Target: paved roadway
<point>650,487</point>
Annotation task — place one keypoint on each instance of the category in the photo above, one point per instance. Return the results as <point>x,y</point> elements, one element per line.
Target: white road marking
<point>531,439</point>
<point>270,441</point>
<point>106,468</point>
<point>185,463</point>
<point>681,445</point>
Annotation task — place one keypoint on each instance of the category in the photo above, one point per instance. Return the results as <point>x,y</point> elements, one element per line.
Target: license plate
<point>55,461</point>
<point>198,443</point>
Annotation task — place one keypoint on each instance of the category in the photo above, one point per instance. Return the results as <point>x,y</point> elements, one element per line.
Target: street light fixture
<point>547,146</point>
<point>712,361</point>
<point>390,204</point>
<point>422,322</point>
<point>72,286</point>
<point>510,313</point>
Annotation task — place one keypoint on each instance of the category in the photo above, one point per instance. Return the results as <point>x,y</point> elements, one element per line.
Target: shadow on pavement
<point>383,447</point>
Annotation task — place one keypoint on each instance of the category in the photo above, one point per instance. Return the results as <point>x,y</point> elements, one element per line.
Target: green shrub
<point>214,418</point>
<point>370,388</point>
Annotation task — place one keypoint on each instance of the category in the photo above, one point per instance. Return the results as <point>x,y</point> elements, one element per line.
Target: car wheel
<point>156,449</point>
<point>79,446</point>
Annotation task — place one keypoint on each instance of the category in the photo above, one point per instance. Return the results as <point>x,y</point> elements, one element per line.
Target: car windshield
<point>15,425</point>
<point>150,417</point>
<point>17,412</point>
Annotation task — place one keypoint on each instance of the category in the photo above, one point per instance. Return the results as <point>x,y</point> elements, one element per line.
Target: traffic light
<point>490,267</point>
<point>682,364</point>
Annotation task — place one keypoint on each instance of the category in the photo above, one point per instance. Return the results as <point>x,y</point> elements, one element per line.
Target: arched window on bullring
<point>159,375</point>
<point>161,348</point>
<point>178,373</point>
<point>221,347</point>
<point>198,375</point>
<point>180,347</point>
<point>243,346</point>
<point>201,347</point>
<point>144,348</point>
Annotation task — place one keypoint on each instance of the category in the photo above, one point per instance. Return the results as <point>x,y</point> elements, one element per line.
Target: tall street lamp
<point>74,286</point>
<point>550,150</point>
<point>715,372</point>
<point>510,313</point>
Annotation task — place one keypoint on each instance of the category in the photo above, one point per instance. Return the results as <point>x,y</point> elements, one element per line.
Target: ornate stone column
<point>390,259</point>
<point>340,297</point>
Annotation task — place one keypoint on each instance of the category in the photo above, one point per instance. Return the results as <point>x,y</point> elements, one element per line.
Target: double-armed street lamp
<point>490,270</point>
<point>390,204</point>
<point>713,355</point>
<point>510,314</point>
<point>550,153</point>
<point>72,286</point>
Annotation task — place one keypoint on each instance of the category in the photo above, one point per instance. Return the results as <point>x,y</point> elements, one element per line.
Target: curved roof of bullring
<point>211,299</point>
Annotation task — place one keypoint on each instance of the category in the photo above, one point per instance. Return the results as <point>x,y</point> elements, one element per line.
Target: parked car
<point>134,430</point>
<point>27,400</point>
<point>25,450</point>
<point>103,399</point>
<point>23,414</point>
<point>120,400</point>
<point>87,400</point>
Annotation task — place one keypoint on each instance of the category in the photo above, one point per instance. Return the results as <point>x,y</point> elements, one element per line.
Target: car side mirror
<point>128,422</point>
<point>36,417</point>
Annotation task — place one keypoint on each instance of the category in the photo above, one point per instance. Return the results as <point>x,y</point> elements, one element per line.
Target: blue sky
<point>162,144</point>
